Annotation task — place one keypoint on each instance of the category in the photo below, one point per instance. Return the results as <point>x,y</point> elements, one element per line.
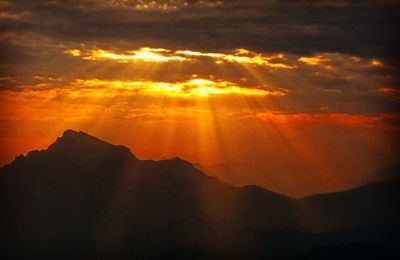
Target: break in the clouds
<point>319,83</point>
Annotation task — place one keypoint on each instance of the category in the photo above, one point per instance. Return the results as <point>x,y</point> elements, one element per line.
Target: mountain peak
<point>71,132</point>
<point>75,141</point>
<point>77,137</point>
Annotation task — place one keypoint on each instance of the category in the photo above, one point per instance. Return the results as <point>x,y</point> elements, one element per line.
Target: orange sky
<point>238,132</point>
<point>297,121</point>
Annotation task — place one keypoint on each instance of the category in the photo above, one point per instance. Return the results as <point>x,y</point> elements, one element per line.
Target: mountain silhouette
<point>84,198</point>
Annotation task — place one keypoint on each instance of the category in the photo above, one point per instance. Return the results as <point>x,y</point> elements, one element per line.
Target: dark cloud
<point>301,27</point>
<point>35,34</point>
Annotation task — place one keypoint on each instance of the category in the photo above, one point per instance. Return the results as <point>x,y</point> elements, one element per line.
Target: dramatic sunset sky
<point>299,97</point>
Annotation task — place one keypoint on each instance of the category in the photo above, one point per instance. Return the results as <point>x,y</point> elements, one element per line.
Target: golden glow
<point>314,61</point>
<point>207,131</point>
<point>143,54</point>
<point>200,54</point>
<point>266,111</point>
<point>196,87</point>
<point>164,6</point>
<point>73,52</point>
<point>348,120</point>
<point>244,57</point>
<point>376,63</point>
<point>170,5</point>
<point>146,54</point>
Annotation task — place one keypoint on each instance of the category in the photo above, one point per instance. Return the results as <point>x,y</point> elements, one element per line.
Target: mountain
<point>372,203</point>
<point>389,173</point>
<point>85,198</point>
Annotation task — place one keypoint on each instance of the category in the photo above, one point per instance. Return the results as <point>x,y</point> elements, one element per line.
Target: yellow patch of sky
<point>313,61</point>
<point>146,54</point>
<point>196,87</point>
<point>239,56</point>
<point>173,5</point>
<point>324,59</point>
<point>376,63</point>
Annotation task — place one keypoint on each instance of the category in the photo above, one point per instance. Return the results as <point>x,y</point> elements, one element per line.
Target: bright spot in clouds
<point>197,87</point>
<point>314,61</point>
<point>142,54</point>
<point>147,54</point>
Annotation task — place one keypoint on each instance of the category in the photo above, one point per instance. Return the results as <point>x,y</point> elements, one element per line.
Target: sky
<point>300,97</point>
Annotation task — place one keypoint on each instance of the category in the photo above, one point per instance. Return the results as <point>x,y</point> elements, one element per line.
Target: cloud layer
<point>342,53</point>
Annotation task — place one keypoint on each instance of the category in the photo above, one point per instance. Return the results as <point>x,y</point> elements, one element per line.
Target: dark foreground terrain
<point>84,198</point>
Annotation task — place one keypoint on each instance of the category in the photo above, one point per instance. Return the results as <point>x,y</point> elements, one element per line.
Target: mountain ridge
<point>76,137</point>
<point>92,198</point>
